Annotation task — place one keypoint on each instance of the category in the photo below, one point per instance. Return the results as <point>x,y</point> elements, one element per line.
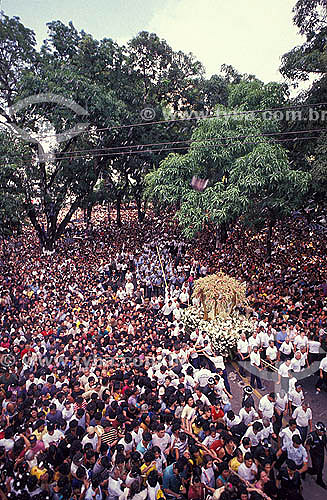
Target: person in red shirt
<point>217,412</point>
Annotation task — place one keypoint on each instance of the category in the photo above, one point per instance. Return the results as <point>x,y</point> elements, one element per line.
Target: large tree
<point>113,84</point>
<point>249,174</point>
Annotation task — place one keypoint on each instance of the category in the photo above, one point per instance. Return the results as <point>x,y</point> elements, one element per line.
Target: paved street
<point>318,404</point>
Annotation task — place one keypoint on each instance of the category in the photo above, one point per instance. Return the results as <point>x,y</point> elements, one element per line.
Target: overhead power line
<point>192,118</point>
<point>187,141</point>
<point>161,147</point>
<point>169,149</point>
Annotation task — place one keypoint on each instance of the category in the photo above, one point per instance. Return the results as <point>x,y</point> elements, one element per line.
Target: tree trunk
<point>88,214</point>
<point>118,207</point>
<point>271,224</point>
<point>223,233</point>
<point>217,245</point>
<point>140,213</point>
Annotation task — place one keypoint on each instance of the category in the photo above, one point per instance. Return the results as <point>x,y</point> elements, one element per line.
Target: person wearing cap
<point>317,443</point>
<point>289,482</point>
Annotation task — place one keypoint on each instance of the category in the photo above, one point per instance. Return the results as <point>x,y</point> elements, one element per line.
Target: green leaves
<point>248,173</point>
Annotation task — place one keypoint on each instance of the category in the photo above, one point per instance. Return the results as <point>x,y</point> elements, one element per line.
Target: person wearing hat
<point>289,482</point>
<point>317,443</point>
<point>92,437</point>
<point>247,396</point>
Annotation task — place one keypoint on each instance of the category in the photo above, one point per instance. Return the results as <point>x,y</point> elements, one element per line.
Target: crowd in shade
<point>106,396</point>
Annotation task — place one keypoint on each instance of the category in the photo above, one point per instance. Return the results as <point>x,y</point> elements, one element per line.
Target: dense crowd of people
<point>106,396</point>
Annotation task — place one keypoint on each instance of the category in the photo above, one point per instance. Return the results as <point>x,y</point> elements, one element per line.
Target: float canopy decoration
<point>220,294</point>
<point>221,297</point>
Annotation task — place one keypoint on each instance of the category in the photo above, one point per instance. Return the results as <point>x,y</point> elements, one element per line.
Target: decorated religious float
<point>221,312</point>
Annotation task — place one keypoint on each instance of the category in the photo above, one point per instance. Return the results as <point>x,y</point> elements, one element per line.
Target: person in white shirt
<point>304,358</point>
<point>31,380</point>
<point>248,415</point>
<point>296,364</point>
<point>177,313</point>
<point>280,410</point>
<point>286,434</point>
<point>286,349</point>
<point>303,416</point>
<point>248,469</point>
<point>268,431</point>
<point>254,340</point>
<point>267,405</point>
<point>301,341</point>
<point>271,352</point>
<point>188,414</point>
<point>255,361</point>
<point>128,443</point>
<point>161,439</point>
<point>129,287</point>
<point>91,437</point>
<point>231,419</point>
<point>253,432</point>
<point>199,396</point>
<point>243,352</point>
<point>283,375</point>
<point>271,358</point>
<point>296,397</point>
<point>52,436</point>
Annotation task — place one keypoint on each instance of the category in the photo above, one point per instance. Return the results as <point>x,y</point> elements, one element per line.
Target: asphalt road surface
<point>318,405</point>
